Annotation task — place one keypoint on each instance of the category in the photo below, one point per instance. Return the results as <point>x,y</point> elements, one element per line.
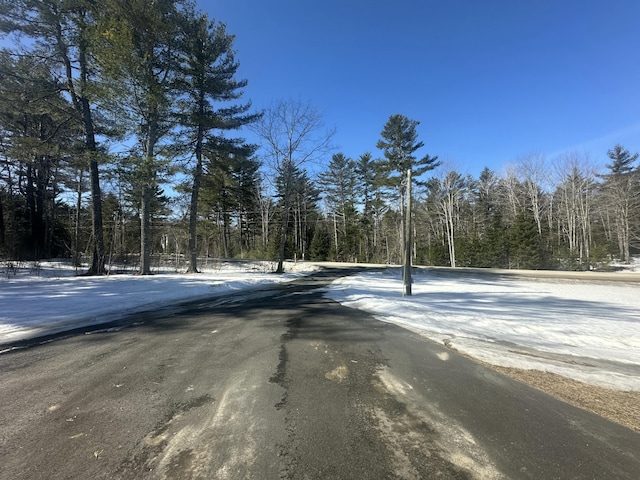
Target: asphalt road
<point>284,384</point>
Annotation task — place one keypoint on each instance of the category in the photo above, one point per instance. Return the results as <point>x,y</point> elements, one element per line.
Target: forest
<point>121,142</point>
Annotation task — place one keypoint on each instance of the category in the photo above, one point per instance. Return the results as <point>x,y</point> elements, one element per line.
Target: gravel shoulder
<point>618,406</point>
<point>622,407</point>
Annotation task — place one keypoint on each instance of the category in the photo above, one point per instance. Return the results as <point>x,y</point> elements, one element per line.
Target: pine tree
<point>208,71</point>
<point>399,144</point>
<point>525,247</point>
<point>622,190</point>
<point>228,184</point>
<point>63,33</point>
<point>142,39</point>
<point>41,132</point>
<point>366,183</point>
<point>321,244</point>
<point>339,186</point>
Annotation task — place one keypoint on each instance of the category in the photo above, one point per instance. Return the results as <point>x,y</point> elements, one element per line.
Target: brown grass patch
<point>622,407</point>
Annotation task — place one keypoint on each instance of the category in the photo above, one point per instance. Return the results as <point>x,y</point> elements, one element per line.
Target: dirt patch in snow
<point>622,407</point>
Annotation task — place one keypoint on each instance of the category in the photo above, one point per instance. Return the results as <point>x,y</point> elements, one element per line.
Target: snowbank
<point>586,330</point>
<point>48,298</point>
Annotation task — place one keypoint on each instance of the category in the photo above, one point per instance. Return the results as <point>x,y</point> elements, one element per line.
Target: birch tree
<point>574,204</point>
<point>532,172</point>
<point>449,192</point>
<point>621,189</point>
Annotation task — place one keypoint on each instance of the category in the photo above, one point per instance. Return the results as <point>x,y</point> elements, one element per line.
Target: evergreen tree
<point>622,191</point>
<point>621,160</point>
<point>248,208</point>
<point>339,186</point>
<point>208,71</point>
<point>305,214</point>
<point>525,248</point>
<point>486,203</point>
<point>143,39</point>
<point>63,33</point>
<point>218,196</point>
<point>227,195</point>
<point>399,144</point>
<point>366,184</point>
<point>40,137</point>
<point>321,243</point>
<point>495,248</point>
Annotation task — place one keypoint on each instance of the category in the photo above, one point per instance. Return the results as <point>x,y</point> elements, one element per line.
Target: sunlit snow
<point>589,331</point>
<point>54,299</point>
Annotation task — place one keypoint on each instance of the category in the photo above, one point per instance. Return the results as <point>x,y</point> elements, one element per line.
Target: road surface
<point>284,384</point>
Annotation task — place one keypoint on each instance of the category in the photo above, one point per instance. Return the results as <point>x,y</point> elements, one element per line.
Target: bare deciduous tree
<point>573,199</point>
<point>621,189</point>
<point>532,172</point>
<point>449,191</point>
<point>294,135</point>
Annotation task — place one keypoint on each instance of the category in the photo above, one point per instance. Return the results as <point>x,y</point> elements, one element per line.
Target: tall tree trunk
<point>193,207</point>
<point>148,190</point>
<point>34,206</point>
<point>284,227</point>
<point>335,234</point>
<point>226,237</point>
<point>76,239</point>
<point>82,105</point>
<point>2,228</point>
<point>98,261</point>
<point>145,231</point>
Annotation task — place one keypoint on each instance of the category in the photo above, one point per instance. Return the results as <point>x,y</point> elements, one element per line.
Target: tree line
<point>106,103</point>
<point>565,213</point>
<point>154,78</point>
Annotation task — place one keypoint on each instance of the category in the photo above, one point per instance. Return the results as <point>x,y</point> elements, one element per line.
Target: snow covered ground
<point>589,331</point>
<point>46,298</point>
<point>586,330</point>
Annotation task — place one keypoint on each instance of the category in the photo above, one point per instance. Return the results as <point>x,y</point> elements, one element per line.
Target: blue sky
<point>489,81</point>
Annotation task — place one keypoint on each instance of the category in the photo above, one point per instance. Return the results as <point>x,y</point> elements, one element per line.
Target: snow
<point>42,299</point>
<point>586,330</point>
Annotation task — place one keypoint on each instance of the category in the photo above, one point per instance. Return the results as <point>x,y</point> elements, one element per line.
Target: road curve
<point>284,384</point>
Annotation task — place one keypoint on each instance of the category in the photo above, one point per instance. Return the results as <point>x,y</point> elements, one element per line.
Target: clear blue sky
<point>489,80</point>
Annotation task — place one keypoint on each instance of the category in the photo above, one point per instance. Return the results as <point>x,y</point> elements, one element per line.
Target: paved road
<point>284,384</point>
